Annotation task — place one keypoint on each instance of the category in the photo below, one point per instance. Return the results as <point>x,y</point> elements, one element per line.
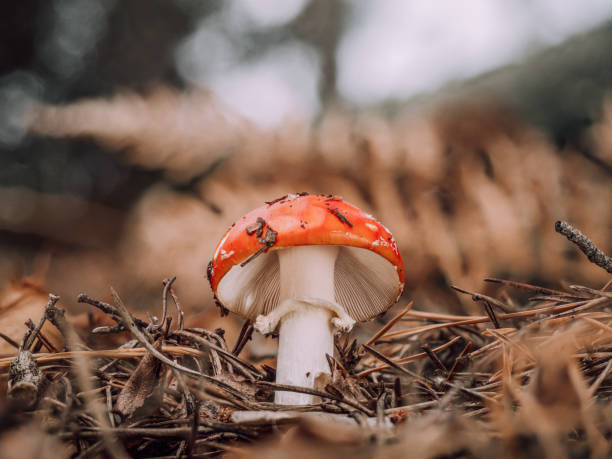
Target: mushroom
<point>308,266</point>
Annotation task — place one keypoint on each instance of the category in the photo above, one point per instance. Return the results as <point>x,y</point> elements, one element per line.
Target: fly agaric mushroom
<point>310,266</point>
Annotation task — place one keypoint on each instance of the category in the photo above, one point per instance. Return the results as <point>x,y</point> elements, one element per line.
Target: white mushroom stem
<point>306,308</point>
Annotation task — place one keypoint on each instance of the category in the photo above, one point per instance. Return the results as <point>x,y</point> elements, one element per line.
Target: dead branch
<point>585,245</point>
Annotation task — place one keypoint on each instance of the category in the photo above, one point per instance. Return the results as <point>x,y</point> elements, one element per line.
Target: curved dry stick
<point>181,314</point>
<point>167,284</point>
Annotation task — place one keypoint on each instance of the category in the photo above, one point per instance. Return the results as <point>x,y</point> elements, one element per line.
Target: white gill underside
<point>365,284</point>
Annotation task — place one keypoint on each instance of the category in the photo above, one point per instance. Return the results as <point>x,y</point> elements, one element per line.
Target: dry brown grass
<point>468,190</point>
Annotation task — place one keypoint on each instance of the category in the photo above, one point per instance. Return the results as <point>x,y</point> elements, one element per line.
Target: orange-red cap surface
<point>297,220</point>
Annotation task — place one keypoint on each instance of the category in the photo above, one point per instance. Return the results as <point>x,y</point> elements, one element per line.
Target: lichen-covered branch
<point>585,244</point>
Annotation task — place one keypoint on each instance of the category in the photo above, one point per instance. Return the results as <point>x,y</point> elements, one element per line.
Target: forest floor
<point>530,377</point>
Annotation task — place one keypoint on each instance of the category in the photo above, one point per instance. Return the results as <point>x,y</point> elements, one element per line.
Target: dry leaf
<point>141,385</point>
<point>20,301</point>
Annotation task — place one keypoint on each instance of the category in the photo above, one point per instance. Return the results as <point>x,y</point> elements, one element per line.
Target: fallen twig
<point>587,246</point>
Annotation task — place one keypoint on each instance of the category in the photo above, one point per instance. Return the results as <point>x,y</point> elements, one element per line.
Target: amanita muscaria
<point>309,266</point>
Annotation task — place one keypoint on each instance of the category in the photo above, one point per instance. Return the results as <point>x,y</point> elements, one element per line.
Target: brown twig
<point>24,379</point>
<point>434,358</point>
<point>107,308</point>
<point>52,300</point>
<point>587,246</point>
<point>529,287</point>
<point>383,358</point>
<point>179,309</point>
<point>486,299</point>
<point>491,314</point>
<point>458,362</point>
<point>243,338</point>
<point>194,431</point>
<point>9,340</point>
<point>591,291</point>
<point>42,339</point>
<point>49,358</point>
<point>482,319</point>
<point>57,317</point>
<point>411,358</point>
<point>167,284</point>
<point>340,216</point>
<point>390,324</point>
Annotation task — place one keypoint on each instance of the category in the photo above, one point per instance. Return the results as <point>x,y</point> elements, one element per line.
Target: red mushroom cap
<point>298,220</point>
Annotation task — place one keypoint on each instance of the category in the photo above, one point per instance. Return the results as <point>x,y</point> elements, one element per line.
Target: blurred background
<point>133,133</point>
